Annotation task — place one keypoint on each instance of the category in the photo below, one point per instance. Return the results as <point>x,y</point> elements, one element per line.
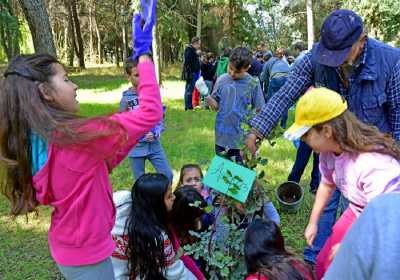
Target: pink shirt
<point>360,177</point>
<point>75,180</point>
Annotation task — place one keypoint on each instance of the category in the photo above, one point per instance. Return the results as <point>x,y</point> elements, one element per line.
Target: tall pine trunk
<point>39,25</point>
<point>96,28</point>
<point>156,56</point>
<point>310,24</point>
<point>77,25</point>
<point>231,21</point>
<point>91,45</point>
<point>72,47</point>
<point>199,17</point>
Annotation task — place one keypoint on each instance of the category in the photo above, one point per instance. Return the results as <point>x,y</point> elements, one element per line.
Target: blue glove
<point>142,26</point>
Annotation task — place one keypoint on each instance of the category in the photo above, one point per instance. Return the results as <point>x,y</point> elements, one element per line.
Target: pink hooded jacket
<point>75,181</point>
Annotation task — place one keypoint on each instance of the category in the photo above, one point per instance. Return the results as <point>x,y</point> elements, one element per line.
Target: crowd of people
<point>347,115</point>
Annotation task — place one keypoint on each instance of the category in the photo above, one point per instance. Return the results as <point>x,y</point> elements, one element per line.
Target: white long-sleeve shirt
<point>175,269</point>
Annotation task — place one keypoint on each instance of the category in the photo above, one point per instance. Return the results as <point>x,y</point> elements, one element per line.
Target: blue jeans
<point>274,85</point>
<point>271,213</point>
<point>302,157</point>
<point>189,92</point>
<point>157,158</point>
<point>325,224</point>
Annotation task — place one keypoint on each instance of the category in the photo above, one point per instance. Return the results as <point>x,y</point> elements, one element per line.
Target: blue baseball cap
<point>340,30</point>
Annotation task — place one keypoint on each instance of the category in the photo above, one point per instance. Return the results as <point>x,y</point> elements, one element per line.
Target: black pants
<point>190,84</point>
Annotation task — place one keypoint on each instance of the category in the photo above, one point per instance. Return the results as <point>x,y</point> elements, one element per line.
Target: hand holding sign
<point>142,26</point>
<point>230,178</point>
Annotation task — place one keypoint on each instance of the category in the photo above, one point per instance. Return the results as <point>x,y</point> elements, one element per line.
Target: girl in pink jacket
<point>355,157</point>
<point>55,157</point>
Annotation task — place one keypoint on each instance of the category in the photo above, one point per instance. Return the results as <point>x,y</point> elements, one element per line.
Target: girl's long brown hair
<point>23,110</point>
<point>354,136</point>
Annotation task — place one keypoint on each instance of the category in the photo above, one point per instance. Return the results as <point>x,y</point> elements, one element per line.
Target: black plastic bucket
<point>289,195</point>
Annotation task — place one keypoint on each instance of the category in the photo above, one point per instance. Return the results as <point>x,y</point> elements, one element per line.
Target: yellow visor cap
<point>316,106</point>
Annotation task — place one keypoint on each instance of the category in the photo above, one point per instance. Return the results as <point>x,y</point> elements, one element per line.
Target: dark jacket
<point>256,68</point>
<point>191,63</point>
<point>208,71</point>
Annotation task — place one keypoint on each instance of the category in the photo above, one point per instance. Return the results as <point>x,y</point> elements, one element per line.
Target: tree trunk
<point>117,58</point>
<point>231,12</point>
<point>66,35</point>
<point>124,41</point>
<point>73,49</point>
<point>81,54</point>
<point>161,57</point>
<point>275,39</point>
<point>91,47</point>
<point>99,50</point>
<point>310,24</point>
<point>199,17</point>
<point>155,54</point>
<point>39,25</point>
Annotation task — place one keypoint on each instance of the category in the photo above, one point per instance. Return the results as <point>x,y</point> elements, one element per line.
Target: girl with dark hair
<point>187,215</point>
<point>184,216</point>
<point>143,247</point>
<point>51,156</point>
<point>266,257</point>
<point>355,157</point>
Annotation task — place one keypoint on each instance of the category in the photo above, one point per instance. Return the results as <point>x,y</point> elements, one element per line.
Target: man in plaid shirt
<point>366,72</point>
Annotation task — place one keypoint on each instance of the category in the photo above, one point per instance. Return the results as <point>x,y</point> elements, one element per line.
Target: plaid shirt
<point>301,78</point>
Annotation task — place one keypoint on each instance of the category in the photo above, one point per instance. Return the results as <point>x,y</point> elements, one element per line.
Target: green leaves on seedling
<point>196,204</point>
<point>238,178</point>
<point>261,175</point>
<point>208,209</point>
<point>226,180</point>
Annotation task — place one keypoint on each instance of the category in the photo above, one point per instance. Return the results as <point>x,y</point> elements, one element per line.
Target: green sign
<point>230,178</point>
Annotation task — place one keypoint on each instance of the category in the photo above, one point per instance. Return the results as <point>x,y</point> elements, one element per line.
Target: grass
<point>189,137</point>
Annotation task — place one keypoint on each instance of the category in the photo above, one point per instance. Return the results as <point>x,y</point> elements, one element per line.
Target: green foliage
<point>10,35</point>
<point>380,17</point>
